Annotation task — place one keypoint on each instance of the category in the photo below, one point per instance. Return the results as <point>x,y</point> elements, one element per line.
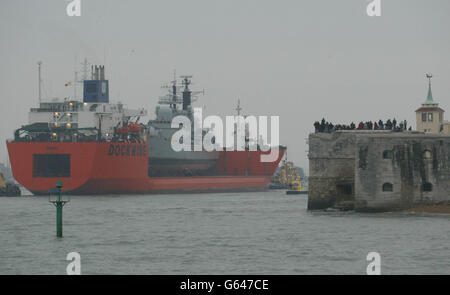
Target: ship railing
<point>66,117</point>
<point>66,106</point>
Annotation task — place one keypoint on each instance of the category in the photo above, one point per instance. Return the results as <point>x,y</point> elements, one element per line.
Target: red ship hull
<point>107,167</point>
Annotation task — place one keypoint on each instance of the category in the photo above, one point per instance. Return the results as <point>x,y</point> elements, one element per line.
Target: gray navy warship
<point>163,160</point>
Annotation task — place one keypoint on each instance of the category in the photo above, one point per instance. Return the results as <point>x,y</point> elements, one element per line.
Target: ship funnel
<point>186,99</point>
<point>97,89</point>
<point>102,72</point>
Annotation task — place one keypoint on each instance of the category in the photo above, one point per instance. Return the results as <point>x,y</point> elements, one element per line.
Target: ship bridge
<point>93,118</point>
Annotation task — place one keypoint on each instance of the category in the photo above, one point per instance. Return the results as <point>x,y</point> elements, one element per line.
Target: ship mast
<point>174,90</point>
<point>39,80</point>
<point>186,81</point>
<point>75,81</point>
<point>85,70</point>
<point>238,108</point>
<point>179,94</point>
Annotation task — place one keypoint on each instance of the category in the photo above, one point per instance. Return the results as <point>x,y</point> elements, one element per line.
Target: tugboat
<point>288,177</point>
<point>8,189</point>
<point>295,188</point>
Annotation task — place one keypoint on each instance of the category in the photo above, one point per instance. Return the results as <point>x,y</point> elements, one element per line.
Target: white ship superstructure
<point>94,116</point>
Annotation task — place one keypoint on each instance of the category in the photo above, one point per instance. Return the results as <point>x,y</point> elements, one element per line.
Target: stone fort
<point>382,170</point>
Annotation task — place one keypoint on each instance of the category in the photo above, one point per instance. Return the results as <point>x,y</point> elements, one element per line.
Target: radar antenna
<point>238,108</point>
<point>186,81</point>
<point>179,94</point>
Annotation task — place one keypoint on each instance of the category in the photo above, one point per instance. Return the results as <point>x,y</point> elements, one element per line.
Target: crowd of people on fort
<point>327,127</point>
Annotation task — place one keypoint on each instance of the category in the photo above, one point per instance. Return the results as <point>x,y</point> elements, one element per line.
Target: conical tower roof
<point>429,105</point>
<point>430,100</point>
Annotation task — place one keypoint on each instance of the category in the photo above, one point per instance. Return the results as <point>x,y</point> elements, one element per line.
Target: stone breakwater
<point>378,170</point>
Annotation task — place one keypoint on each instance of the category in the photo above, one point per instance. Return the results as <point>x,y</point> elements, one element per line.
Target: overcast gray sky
<point>301,60</point>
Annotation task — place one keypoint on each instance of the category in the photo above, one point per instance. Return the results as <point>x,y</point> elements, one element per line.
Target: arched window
<point>387,154</point>
<point>427,187</point>
<point>427,154</point>
<point>387,187</point>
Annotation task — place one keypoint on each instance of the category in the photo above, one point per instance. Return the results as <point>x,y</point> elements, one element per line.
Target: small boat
<point>286,177</point>
<point>8,189</point>
<point>295,188</point>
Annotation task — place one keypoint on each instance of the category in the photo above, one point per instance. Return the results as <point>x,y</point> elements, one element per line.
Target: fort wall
<point>378,170</point>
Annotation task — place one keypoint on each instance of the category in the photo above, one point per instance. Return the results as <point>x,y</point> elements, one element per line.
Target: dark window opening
<point>51,165</point>
<point>344,189</point>
<point>427,187</point>
<point>387,154</point>
<point>388,187</point>
<point>424,117</point>
<point>344,196</point>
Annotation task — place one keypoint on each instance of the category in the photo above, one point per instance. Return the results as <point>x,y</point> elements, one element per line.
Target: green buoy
<point>56,198</point>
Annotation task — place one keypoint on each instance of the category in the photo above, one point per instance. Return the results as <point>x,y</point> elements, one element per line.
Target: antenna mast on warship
<point>174,90</point>
<point>238,108</point>
<point>179,95</point>
<point>186,92</point>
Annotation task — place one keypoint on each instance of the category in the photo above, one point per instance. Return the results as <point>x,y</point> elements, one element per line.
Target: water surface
<point>227,233</point>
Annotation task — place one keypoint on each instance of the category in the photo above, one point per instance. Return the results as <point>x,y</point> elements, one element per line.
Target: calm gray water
<point>234,233</point>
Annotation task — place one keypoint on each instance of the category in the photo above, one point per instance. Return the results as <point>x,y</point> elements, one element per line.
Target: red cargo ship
<point>88,168</point>
<point>96,147</point>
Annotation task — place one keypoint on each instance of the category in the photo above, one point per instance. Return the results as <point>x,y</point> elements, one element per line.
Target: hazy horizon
<point>300,60</point>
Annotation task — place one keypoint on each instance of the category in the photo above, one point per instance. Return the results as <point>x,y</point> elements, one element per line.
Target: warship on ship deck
<point>163,160</point>
<point>97,147</point>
